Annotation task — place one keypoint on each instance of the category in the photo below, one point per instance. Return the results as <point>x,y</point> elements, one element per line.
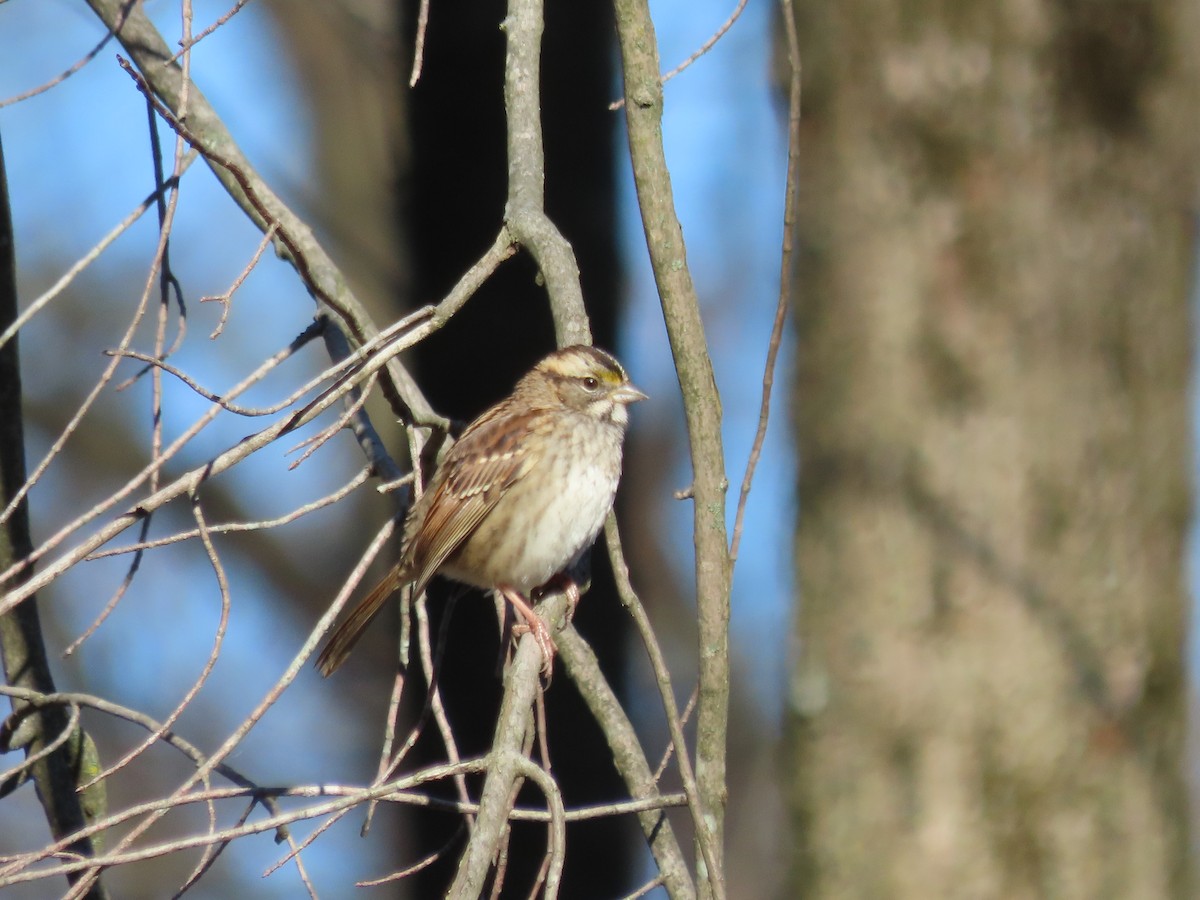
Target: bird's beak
<point>628,394</point>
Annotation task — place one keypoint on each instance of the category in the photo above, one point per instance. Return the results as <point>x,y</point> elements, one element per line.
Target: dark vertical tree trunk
<point>57,768</point>
<point>447,137</point>
<point>993,422</point>
<point>454,200</point>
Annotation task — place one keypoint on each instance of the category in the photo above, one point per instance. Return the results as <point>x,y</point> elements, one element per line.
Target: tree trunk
<point>453,200</point>
<point>993,422</point>
<point>449,179</point>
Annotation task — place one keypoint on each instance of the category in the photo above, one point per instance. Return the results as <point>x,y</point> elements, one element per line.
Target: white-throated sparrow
<point>519,497</point>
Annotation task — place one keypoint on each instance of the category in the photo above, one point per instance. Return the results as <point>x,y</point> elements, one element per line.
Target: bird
<point>520,496</point>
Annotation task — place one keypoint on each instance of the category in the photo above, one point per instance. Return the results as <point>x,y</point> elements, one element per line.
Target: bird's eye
<point>590,383</point>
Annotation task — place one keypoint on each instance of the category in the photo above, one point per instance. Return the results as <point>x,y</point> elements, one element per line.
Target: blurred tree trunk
<point>993,422</point>
<point>350,61</point>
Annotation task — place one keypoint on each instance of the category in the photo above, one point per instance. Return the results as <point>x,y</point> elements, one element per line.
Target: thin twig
<point>430,666</point>
<point>35,698</point>
<point>419,43</point>
<point>210,663</point>
<point>419,865</point>
<point>644,889</point>
<point>188,43</point>
<point>75,67</point>
<point>662,676</point>
<point>357,399</point>
<point>786,273</point>
<point>177,488</point>
<point>15,872</point>
<point>669,750</point>
<point>176,120</point>
<point>222,400</point>
<point>704,48</point>
<point>272,696</point>
<point>12,778</point>
<point>65,280</point>
<point>226,298</point>
<point>296,849</point>
<point>73,424</point>
<point>702,414</point>
<point>234,527</point>
<point>389,761</point>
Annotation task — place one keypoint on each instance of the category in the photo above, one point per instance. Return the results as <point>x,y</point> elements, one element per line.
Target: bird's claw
<point>545,642</point>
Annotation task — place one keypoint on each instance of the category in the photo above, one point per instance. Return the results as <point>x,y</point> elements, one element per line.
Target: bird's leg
<point>534,625</point>
<point>505,620</point>
<point>502,615</point>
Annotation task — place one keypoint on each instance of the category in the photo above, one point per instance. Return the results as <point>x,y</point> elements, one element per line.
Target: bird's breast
<point>543,522</point>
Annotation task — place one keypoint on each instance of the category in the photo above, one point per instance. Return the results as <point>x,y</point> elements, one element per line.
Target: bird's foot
<point>567,585</point>
<point>533,625</point>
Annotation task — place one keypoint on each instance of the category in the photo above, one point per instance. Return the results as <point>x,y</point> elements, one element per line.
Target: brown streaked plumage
<point>519,497</point>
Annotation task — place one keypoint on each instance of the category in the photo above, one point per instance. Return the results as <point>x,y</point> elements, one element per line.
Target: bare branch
<point>206,670</point>
<point>524,210</point>
<point>272,696</point>
<point>75,67</point>
<point>505,760</point>
<point>64,281</point>
<point>226,298</point>
<point>629,758</point>
<point>234,527</point>
<point>188,43</point>
<point>419,43</point>
<point>703,48</point>
<point>786,269</point>
<point>164,495</point>
<point>58,752</point>
<point>16,869</point>
<point>702,411</point>
<point>360,356</point>
<point>206,132</point>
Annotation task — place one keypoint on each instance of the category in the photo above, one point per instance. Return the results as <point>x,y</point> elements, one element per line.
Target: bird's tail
<point>346,635</point>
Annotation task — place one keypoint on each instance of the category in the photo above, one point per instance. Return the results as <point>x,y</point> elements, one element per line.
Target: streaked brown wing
<point>486,461</point>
